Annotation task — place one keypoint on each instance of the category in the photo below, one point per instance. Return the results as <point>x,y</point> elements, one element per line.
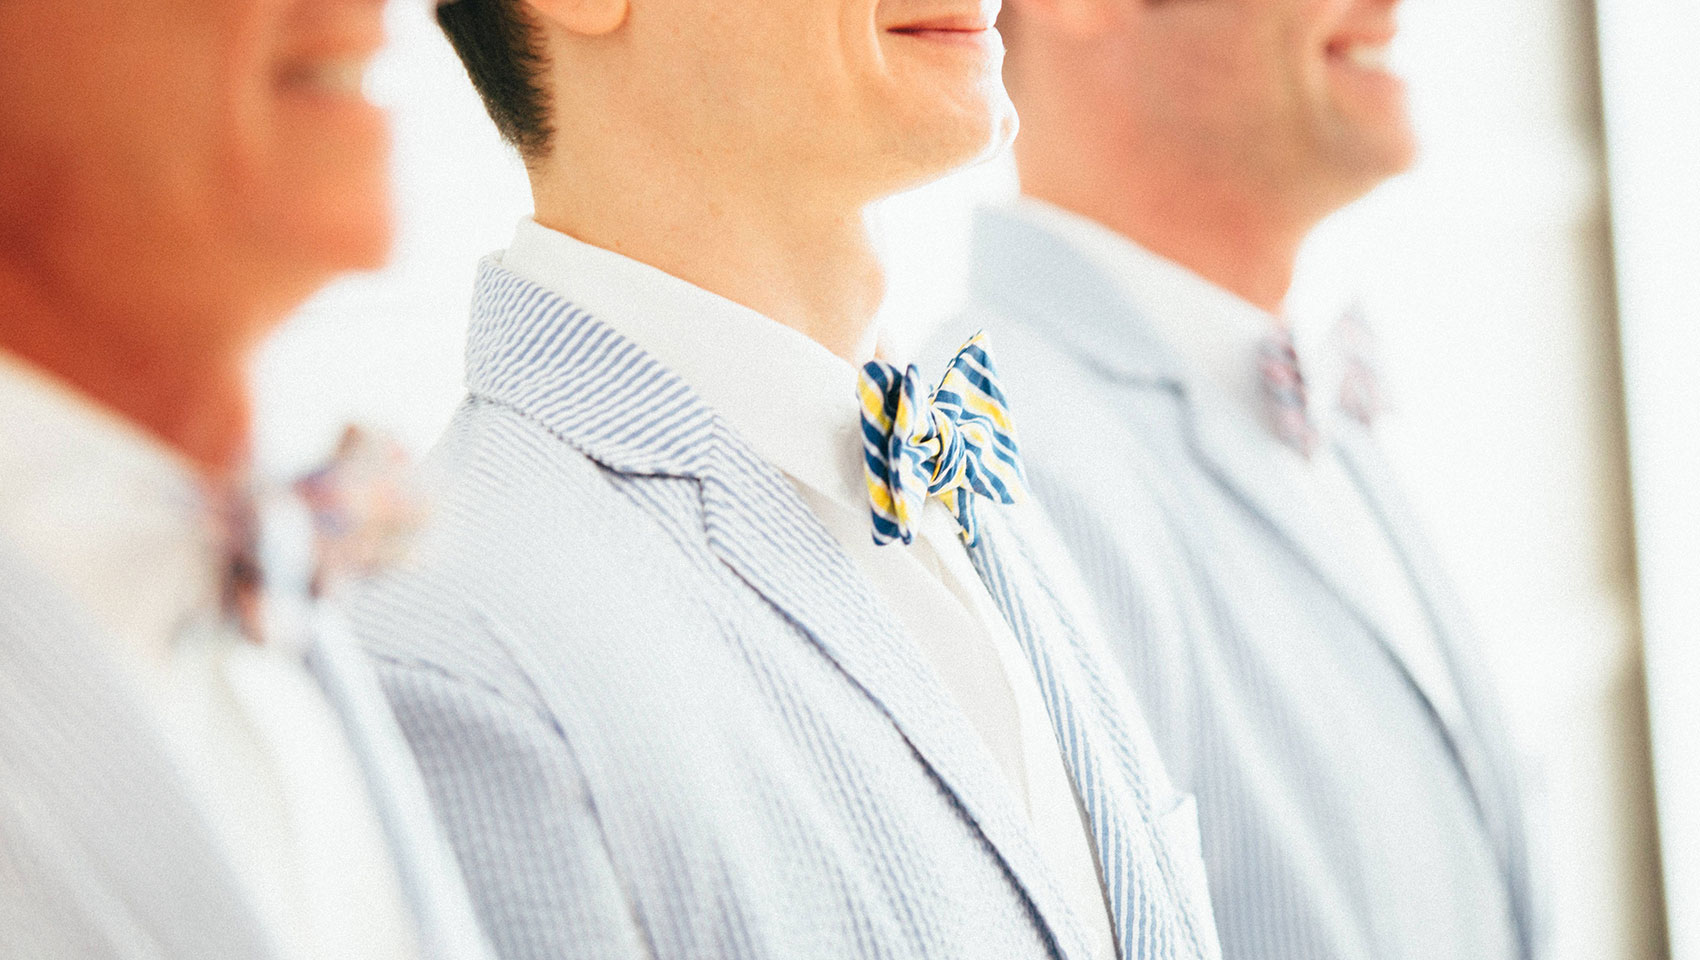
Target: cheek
<point>322,199</point>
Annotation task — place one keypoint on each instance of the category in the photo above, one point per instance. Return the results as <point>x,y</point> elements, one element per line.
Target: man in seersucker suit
<point>195,761</point>
<point>1304,664</point>
<point>731,639</point>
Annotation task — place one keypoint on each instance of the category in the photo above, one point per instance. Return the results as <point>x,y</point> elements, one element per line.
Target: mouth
<point>1368,54</point>
<point>327,52</point>
<point>964,29</point>
<point>335,77</point>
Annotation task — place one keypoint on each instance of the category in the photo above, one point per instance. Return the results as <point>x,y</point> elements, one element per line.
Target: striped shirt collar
<point>792,400</point>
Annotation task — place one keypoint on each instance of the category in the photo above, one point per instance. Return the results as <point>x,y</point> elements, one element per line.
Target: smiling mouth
<point>1369,56</point>
<point>341,77</point>
<point>962,28</point>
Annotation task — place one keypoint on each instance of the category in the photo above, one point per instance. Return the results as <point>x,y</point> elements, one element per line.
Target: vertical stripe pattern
<point>1155,893</point>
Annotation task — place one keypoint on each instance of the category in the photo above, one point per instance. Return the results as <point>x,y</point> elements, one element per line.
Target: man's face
<point>860,96</point>
<point>191,155</point>
<point>1293,94</point>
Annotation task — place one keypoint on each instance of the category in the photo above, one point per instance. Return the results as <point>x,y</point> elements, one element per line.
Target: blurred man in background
<point>727,643</point>
<point>1306,669</point>
<point>191,764</point>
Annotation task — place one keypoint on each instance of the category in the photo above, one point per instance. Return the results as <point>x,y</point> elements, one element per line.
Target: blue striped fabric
<point>662,714</point>
<point>1143,875</point>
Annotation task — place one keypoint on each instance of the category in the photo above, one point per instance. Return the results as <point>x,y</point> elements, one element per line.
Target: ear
<point>1078,18</point>
<point>589,18</point>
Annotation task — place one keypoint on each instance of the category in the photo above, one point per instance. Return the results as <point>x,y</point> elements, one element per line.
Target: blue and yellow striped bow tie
<point>954,444</point>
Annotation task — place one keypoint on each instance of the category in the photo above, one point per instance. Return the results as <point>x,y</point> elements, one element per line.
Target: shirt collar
<point>109,513</point>
<point>1215,333</point>
<point>790,398</point>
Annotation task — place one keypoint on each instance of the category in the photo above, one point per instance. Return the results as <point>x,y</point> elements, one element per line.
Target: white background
<point>1488,272</point>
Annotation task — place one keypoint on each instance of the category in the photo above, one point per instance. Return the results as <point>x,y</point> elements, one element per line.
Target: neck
<point>1233,233</point>
<point>799,261</point>
<point>190,393</point>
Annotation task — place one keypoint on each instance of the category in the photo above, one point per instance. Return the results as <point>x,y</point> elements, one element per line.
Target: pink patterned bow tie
<point>344,521</point>
<point>1286,395</point>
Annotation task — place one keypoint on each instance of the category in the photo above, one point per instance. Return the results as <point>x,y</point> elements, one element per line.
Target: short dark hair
<point>498,43</point>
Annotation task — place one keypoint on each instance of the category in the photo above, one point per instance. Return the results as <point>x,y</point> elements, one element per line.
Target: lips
<point>953,24</point>
<point>960,21</point>
<point>329,76</point>
<point>1368,52</point>
<point>328,46</point>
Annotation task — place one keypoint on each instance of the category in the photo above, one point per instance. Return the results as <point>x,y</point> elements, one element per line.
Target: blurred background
<point>1532,281</point>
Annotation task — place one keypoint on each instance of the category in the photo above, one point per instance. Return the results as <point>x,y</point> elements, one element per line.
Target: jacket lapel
<point>1154,885</point>
<point>604,396</point>
<point>77,744</point>
<point>1481,741</point>
<point>1225,444</point>
<point>441,907</point>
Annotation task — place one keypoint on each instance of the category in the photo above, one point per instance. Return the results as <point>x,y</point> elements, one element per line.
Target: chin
<point>1384,152</point>
<point>339,227</point>
<point>964,136</point>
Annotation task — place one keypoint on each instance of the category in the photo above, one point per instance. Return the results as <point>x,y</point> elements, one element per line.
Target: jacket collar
<point>534,351</point>
<point>1030,273</point>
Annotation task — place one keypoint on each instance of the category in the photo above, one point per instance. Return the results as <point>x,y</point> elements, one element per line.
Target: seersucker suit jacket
<point>104,852</point>
<point>1351,808</point>
<point>663,715</point>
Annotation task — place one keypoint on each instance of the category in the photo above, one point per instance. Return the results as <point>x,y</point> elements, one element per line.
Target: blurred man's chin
<point>321,242</point>
<point>1389,149</point>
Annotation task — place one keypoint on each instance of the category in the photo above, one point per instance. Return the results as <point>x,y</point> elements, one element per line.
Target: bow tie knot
<point>285,548</point>
<point>955,443</point>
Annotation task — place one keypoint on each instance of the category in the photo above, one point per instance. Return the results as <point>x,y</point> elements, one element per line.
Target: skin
<point>739,145</point>
<point>1217,133</point>
<point>178,176</point>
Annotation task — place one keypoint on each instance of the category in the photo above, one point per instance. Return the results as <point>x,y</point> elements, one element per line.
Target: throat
<point>170,377</point>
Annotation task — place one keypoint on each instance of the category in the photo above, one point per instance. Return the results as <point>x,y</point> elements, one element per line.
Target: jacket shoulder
<point>530,541</point>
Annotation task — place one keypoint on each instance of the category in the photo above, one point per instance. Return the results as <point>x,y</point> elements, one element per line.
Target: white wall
<point>1652,101</point>
<point>1488,272</point>
<point>1486,269</point>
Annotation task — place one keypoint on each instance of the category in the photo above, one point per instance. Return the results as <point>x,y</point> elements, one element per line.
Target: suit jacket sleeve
<point>516,810</point>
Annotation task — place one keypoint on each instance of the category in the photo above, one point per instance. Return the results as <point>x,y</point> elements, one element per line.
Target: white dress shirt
<point>119,522</point>
<point>1217,335</point>
<point>796,404</point>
